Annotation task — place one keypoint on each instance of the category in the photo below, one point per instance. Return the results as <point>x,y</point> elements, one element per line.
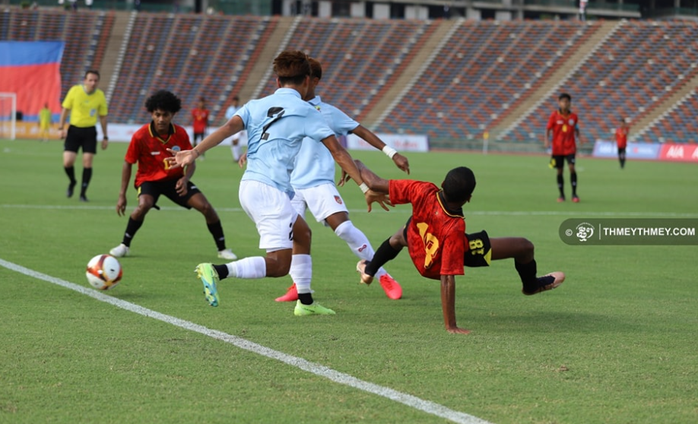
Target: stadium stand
<point>680,126</point>
<point>479,74</point>
<point>628,75</point>
<point>85,36</point>
<point>360,57</point>
<point>192,55</point>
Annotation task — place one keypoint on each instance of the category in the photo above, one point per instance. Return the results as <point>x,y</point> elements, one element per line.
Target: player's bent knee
<point>526,245</point>
<point>277,269</point>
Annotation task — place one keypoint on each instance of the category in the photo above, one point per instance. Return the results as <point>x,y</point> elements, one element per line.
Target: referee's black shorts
<point>85,138</point>
<point>168,189</point>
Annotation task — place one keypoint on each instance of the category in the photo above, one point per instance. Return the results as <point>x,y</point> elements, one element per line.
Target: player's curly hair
<point>459,184</point>
<point>315,68</point>
<point>292,67</point>
<point>163,100</point>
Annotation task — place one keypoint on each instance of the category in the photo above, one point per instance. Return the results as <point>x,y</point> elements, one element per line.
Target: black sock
<point>383,255</point>
<point>561,185</point>
<point>131,229</point>
<point>573,177</point>
<point>86,177</point>
<point>222,271</point>
<point>305,298</point>
<point>527,272</point>
<point>70,171</point>
<point>216,231</point>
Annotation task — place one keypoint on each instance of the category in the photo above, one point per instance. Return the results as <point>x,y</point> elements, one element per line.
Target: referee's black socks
<point>86,177</point>
<point>70,172</point>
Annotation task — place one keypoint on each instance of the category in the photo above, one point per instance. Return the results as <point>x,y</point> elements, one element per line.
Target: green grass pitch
<point>616,343</point>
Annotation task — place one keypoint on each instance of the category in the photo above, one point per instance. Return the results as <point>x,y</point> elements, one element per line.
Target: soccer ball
<point>103,272</point>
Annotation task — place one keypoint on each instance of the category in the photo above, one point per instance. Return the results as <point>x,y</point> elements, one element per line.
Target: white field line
<point>313,368</point>
<point>403,210</point>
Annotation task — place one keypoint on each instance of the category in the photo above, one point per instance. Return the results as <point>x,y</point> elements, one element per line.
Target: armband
<point>363,187</point>
<point>389,151</point>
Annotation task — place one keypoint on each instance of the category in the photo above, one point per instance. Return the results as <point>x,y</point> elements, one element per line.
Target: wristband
<point>106,138</point>
<point>389,151</point>
<point>363,187</point>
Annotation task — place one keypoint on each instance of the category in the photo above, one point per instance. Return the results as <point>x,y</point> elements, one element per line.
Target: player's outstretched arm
<point>372,139</point>
<point>125,178</point>
<point>448,304</point>
<point>373,181</point>
<point>187,157</point>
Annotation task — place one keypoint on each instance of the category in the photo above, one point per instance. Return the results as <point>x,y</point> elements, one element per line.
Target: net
<point>8,115</point>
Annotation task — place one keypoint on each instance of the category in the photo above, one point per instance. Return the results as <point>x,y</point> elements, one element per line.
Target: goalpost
<point>8,115</point>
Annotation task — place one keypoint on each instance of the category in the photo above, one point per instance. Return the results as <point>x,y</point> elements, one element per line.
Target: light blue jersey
<point>314,164</point>
<point>276,126</point>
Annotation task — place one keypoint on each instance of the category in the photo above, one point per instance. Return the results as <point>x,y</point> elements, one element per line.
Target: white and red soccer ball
<point>103,272</point>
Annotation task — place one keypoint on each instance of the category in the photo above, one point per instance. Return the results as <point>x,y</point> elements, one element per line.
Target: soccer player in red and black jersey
<point>436,240</point>
<point>563,126</point>
<point>622,140</point>
<point>199,118</point>
<point>149,149</point>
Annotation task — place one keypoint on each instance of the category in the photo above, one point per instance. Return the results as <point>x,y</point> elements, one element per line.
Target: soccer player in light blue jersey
<point>239,139</point>
<point>313,182</point>
<point>276,126</point>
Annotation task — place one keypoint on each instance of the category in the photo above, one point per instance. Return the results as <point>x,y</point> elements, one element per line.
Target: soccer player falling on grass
<point>313,183</point>
<point>276,126</point>
<point>149,149</point>
<point>563,125</point>
<point>436,240</point>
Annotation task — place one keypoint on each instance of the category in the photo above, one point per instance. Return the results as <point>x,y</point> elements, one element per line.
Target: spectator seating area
<point>679,126</point>
<point>360,57</point>
<point>484,70</point>
<point>85,34</point>
<point>634,70</point>
<point>192,55</point>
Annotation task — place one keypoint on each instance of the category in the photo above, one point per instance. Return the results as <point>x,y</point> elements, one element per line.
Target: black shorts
<point>81,137</point>
<point>558,161</point>
<point>167,188</point>
<point>479,250</point>
<point>621,150</point>
<point>198,136</point>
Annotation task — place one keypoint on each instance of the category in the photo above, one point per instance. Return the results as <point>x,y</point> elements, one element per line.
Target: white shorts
<point>272,213</point>
<point>241,136</point>
<point>322,201</point>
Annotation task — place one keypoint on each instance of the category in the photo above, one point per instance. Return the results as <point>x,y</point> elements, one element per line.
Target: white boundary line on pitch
<point>582,214</point>
<point>311,367</point>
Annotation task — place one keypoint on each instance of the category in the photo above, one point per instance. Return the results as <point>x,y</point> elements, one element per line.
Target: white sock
<point>302,272</point>
<point>249,268</point>
<point>358,242</point>
<point>236,152</point>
